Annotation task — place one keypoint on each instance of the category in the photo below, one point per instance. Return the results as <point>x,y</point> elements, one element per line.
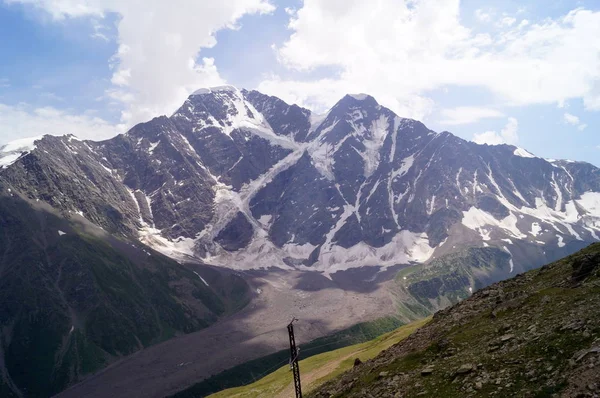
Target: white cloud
<point>574,120</point>
<point>4,82</point>
<point>155,66</point>
<point>50,96</point>
<point>482,15</point>
<point>571,119</point>
<point>100,31</point>
<point>468,114</point>
<point>22,121</point>
<point>508,135</point>
<point>404,49</point>
<point>508,21</point>
<point>320,95</point>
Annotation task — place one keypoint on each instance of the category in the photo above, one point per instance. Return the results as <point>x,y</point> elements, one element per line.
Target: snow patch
<point>523,153</point>
<point>216,89</point>
<point>265,219</point>
<point>299,251</point>
<point>405,165</point>
<point>476,219</point>
<point>153,146</point>
<point>12,151</point>
<point>373,143</point>
<point>535,229</point>
<point>179,249</point>
<point>61,233</point>
<point>359,97</point>
<point>201,278</point>
<point>430,205</point>
<point>512,265</point>
<point>404,248</point>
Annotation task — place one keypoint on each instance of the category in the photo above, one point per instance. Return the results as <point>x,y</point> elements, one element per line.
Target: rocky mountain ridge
<point>244,180</point>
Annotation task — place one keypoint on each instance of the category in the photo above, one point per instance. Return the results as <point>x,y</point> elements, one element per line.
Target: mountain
<point>357,199</point>
<point>74,299</point>
<point>244,180</point>
<point>535,335</point>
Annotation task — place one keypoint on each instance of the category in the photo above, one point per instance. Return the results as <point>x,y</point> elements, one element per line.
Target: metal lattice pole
<point>294,360</point>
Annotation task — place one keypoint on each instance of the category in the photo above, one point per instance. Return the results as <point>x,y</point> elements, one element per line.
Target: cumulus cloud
<point>482,15</point>
<point>507,21</point>
<point>155,67</point>
<point>508,135</point>
<point>468,114</point>
<point>404,49</point>
<point>23,121</point>
<point>574,120</point>
<point>571,119</point>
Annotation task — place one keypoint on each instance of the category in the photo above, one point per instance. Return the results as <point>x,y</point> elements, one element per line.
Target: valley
<point>257,330</point>
<point>183,247</point>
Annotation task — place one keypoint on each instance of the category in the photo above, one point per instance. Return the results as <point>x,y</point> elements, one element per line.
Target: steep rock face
<point>243,179</point>
<point>230,135</point>
<point>288,120</point>
<point>70,176</point>
<point>299,204</point>
<point>172,189</point>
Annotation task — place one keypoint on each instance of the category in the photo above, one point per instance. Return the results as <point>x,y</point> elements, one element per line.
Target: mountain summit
<point>245,180</point>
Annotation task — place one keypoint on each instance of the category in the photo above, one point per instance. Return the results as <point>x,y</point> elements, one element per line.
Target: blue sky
<point>521,72</point>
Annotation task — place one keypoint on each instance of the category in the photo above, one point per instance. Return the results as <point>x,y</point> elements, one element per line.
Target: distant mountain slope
<point>244,180</point>
<point>535,335</point>
<point>74,299</point>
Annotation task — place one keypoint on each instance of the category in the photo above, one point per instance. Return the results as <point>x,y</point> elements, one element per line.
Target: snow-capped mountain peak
<point>245,180</point>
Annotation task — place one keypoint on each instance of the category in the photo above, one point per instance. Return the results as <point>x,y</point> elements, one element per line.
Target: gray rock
<point>427,371</point>
<point>507,337</point>
<point>465,368</point>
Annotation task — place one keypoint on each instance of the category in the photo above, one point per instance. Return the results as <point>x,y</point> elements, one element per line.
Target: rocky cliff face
<point>245,180</point>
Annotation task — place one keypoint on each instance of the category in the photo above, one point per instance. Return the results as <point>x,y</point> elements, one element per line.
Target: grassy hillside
<point>72,302</point>
<point>536,335</point>
<point>252,371</point>
<point>425,288</point>
<point>319,368</point>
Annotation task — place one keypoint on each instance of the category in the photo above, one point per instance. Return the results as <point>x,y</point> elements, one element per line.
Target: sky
<point>523,72</point>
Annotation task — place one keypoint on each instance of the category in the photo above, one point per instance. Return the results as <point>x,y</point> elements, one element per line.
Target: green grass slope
<point>423,289</point>
<point>319,368</point>
<point>251,371</point>
<point>535,335</point>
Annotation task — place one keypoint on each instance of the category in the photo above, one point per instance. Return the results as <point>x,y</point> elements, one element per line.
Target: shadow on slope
<point>74,299</point>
